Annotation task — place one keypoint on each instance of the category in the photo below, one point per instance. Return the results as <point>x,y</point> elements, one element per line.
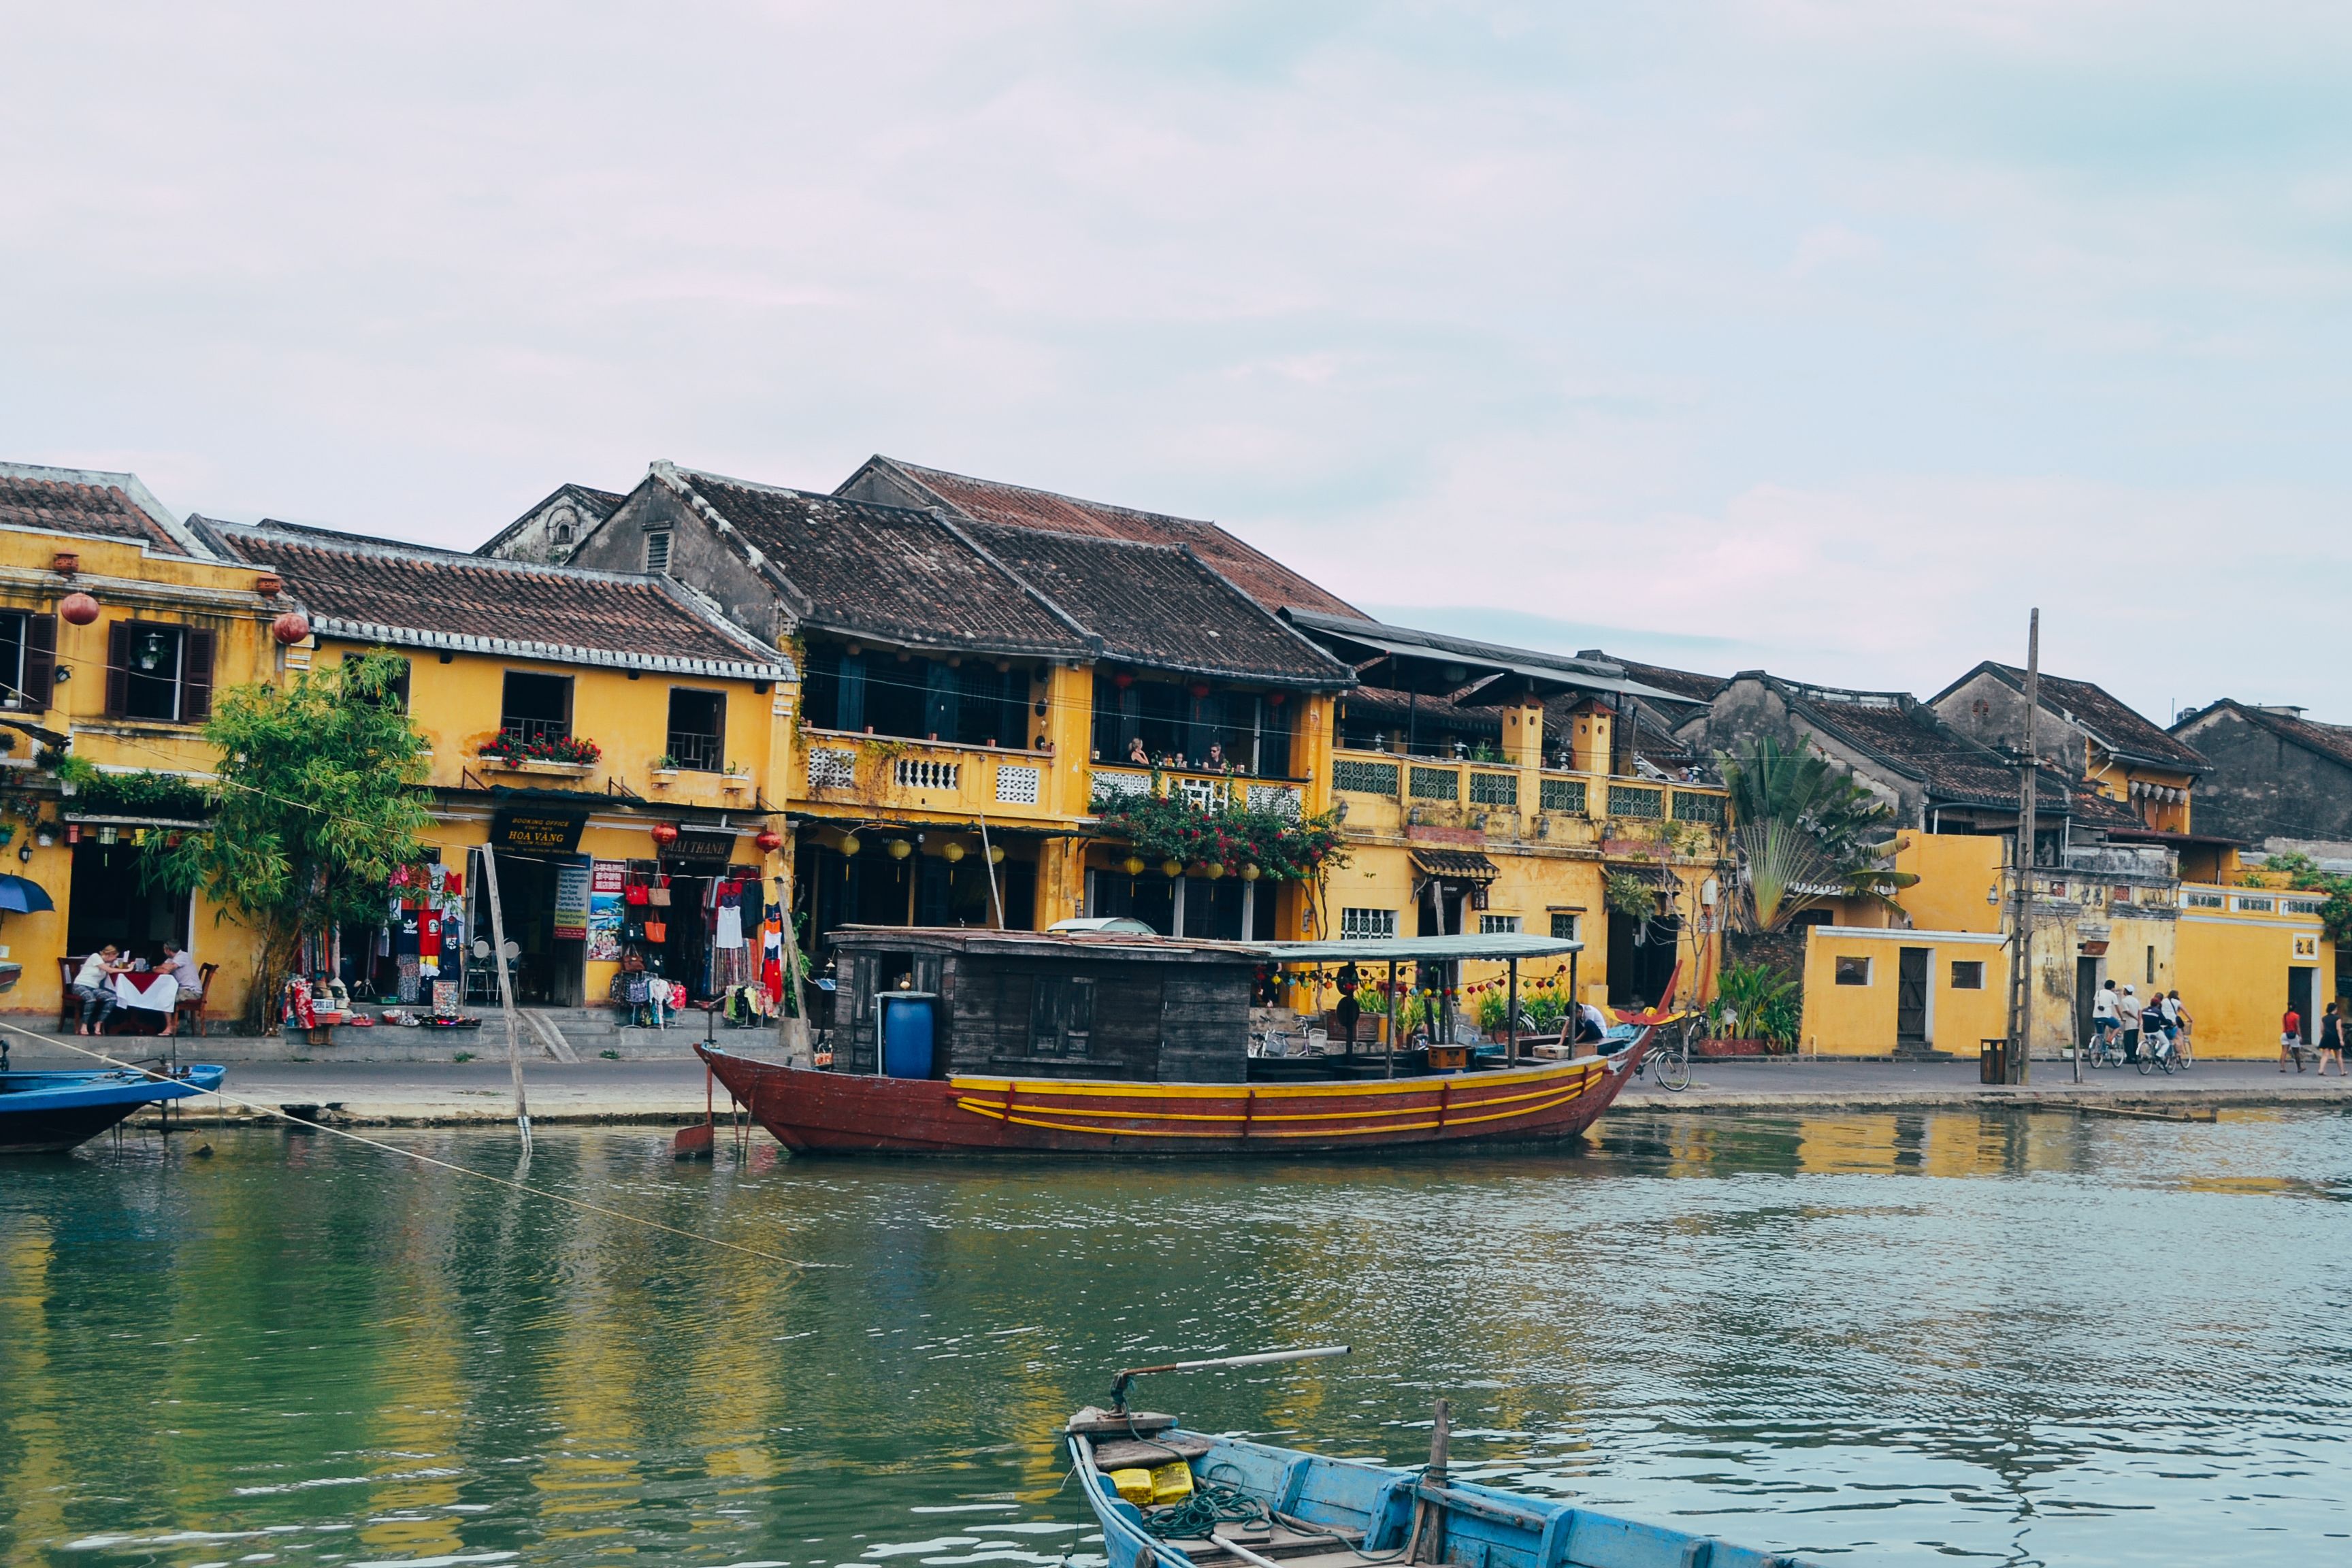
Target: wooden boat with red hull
<point>826,1112</point>
<point>959,1042</point>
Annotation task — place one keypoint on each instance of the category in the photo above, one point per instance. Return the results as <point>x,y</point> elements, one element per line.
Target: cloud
<point>1840,331</point>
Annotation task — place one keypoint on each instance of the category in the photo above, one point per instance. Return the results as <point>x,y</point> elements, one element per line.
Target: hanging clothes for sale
<point>772,960</point>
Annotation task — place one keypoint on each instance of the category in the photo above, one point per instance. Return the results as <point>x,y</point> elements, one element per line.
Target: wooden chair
<point>68,1004</point>
<point>190,1010</point>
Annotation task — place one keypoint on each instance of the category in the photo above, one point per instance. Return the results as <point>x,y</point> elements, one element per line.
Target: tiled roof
<point>2115,725</point>
<point>1381,701</point>
<point>414,596</point>
<point>1687,684</point>
<point>1159,606</point>
<point>888,572</point>
<point>2093,809</point>
<point>1907,734</point>
<point>1256,573</point>
<point>2333,742</point>
<point>93,502</point>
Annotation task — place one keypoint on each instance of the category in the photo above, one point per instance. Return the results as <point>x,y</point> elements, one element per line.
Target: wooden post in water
<point>506,988</point>
<point>2018,1067</point>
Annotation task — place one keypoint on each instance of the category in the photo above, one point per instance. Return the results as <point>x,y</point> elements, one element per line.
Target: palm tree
<point>1804,832</point>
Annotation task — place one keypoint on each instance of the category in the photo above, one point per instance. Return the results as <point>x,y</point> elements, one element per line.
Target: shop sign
<point>704,844</point>
<point>571,900</point>
<point>606,881</point>
<point>527,828</point>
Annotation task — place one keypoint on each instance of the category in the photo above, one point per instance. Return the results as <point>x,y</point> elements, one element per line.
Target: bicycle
<point>2156,1052</point>
<point>1670,1063</point>
<point>2105,1048</point>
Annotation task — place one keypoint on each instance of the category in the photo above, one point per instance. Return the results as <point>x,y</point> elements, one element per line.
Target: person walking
<point>2331,1041</point>
<point>2127,1014</point>
<point>2290,1039</point>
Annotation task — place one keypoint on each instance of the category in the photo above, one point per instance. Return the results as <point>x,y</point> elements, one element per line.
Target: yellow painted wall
<point>2234,966</point>
<point>128,583</point>
<point>1860,1020</point>
<point>1954,870</point>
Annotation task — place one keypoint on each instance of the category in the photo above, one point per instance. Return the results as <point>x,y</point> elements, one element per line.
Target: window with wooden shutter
<point>118,669</point>
<point>196,678</point>
<point>40,680</point>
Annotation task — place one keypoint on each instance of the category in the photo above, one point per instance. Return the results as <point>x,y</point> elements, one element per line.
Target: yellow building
<point>1869,989</point>
<point>976,685</point>
<point>1466,811</point>
<point>601,731</point>
<point>116,627</point>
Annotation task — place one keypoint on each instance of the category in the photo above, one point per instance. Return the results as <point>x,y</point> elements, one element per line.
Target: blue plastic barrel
<point>905,1021</point>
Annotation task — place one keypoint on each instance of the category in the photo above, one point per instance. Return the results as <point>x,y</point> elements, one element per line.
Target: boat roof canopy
<point>1498,945</point>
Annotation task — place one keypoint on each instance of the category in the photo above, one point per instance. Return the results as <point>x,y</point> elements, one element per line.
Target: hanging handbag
<point>657,930</point>
<point>636,893</point>
<point>657,897</point>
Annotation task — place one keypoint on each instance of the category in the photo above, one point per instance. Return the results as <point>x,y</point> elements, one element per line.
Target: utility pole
<point>2018,1067</point>
<point>505,991</point>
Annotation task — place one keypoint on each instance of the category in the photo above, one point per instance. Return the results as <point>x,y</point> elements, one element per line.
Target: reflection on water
<point>2008,1336</point>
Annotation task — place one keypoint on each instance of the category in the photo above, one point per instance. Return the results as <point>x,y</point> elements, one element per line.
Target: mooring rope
<point>509,1182</point>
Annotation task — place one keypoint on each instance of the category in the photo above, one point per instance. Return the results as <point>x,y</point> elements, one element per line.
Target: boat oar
<point>1119,1383</point>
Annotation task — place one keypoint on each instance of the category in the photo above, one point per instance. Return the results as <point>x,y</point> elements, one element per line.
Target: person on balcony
<point>1137,755</point>
<point>1216,760</point>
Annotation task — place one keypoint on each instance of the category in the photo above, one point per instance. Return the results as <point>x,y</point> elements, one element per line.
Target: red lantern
<point>290,628</point>
<point>769,841</point>
<point>664,834</point>
<point>1198,688</point>
<point>78,609</point>
<point>1123,680</point>
<point>1276,699</point>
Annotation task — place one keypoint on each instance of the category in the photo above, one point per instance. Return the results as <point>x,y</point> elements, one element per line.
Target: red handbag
<point>657,930</point>
<point>634,894</point>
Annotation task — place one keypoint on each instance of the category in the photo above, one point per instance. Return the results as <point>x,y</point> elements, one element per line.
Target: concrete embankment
<point>670,1089</point>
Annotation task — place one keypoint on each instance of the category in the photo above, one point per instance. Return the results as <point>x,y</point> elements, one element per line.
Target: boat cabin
<point>931,1002</point>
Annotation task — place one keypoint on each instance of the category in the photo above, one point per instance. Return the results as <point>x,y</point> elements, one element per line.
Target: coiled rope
<point>1213,1503</point>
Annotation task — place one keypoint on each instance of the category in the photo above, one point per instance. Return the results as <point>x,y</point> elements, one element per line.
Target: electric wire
<point>581,1203</point>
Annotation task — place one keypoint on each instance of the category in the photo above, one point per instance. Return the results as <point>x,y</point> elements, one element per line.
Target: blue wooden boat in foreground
<point>1168,1497</point>
<point>44,1112</point>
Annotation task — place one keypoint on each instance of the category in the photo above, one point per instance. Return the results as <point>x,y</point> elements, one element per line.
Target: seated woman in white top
<point>94,983</point>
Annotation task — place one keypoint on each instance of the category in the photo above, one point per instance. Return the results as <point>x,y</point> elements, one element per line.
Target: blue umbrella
<point>20,897</point>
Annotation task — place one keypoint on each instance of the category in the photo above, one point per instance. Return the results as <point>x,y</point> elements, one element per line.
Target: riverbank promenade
<point>669,1089</point>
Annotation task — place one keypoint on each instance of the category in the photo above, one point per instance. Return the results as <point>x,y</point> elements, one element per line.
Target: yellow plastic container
<point>1172,1482</point>
<point>1135,1486</point>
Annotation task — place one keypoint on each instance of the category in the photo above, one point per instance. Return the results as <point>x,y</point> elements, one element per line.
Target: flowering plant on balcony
<point>1173,827</point>
<point>508,747</point>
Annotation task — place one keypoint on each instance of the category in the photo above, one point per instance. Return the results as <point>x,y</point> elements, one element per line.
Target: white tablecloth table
<point>162,992</point>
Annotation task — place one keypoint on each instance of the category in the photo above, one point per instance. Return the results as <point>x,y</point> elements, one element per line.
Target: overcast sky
<point>1815,335</point>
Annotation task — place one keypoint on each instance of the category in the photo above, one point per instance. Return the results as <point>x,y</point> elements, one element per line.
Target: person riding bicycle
<point>2106,1025</point>
<point>2183,1025</point>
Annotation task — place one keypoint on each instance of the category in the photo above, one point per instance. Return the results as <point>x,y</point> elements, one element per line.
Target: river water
<point>2012,1336</point>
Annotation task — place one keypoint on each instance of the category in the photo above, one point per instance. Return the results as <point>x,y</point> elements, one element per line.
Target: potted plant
<point>553,753</point>
<point>664,769</point>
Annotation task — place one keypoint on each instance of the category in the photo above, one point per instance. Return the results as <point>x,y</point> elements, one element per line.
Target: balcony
<point>1209,792</point>
<point>971,782</point>
<point>1386,793</point>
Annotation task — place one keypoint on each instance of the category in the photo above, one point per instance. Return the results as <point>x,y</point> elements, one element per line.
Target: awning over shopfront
<point>1459,865</point>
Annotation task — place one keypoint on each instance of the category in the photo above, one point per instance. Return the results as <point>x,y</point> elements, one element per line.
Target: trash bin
<point>1989,1063</point>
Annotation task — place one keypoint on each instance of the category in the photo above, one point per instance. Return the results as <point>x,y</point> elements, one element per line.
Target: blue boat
<point>45,1112</point>
<point>1168,1498</point>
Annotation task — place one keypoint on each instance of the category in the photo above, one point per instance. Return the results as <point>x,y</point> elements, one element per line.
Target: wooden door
<point>1911,996</point>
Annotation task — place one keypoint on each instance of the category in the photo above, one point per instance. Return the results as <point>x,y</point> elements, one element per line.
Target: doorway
<point>548,972</point>
<point>1642,957</point>
<point>110,899</point>
<point>1911,966</point>
<point>2301,983</point>
<point>2087,996</point>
